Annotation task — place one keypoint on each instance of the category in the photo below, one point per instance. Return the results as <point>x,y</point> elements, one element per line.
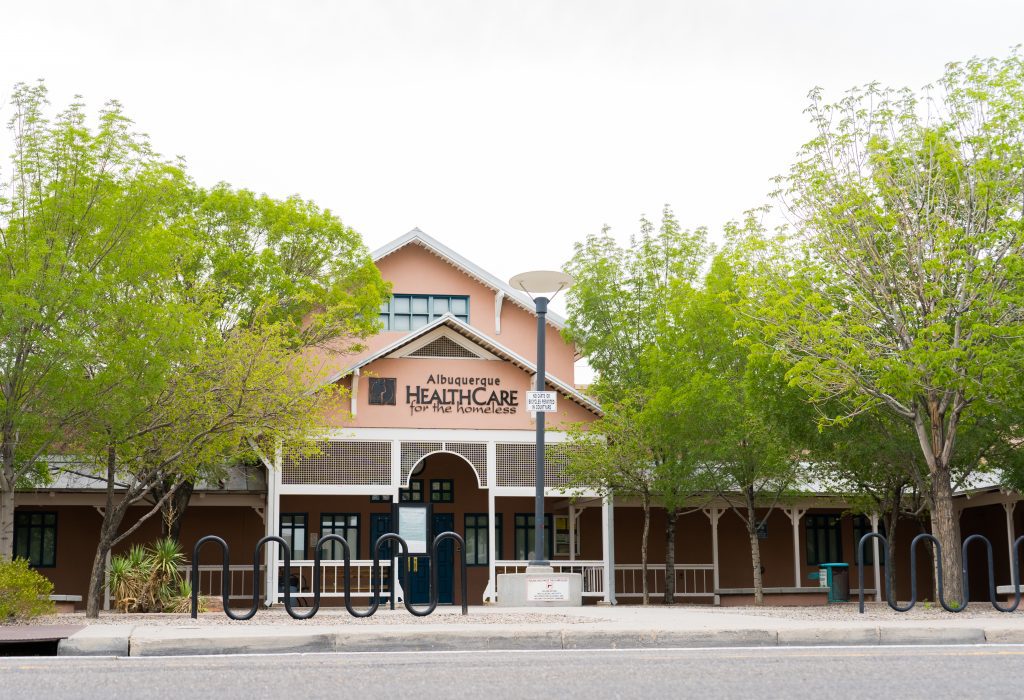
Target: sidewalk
<point>272,631</point>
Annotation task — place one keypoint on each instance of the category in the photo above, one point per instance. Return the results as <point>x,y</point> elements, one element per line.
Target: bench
<point>1007,592</point>
<point>65,603</point>
<point>787,595</point>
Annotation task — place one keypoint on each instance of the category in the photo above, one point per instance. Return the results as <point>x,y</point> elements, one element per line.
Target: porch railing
<point>692,580</point>
<point>592,571</point>
<point>239,579</point>
<point>332,578</point>
<point>332,582</point>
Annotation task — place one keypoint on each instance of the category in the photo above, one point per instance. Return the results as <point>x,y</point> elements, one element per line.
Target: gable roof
<point>489,344</point>
<point>432,245</point>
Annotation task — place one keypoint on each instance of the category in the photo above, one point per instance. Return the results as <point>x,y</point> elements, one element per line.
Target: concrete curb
<point>125,640</point>
<point>98,640</point>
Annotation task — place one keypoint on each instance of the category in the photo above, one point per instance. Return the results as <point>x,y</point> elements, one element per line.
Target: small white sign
<point>412,527</point>
<point>542,401</point>
<point>547,588</point>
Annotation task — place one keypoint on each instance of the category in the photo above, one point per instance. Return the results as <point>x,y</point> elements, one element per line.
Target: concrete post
<point>608,548</point>
<point>878,568</point>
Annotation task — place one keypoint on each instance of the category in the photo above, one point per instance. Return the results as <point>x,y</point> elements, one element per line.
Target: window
<point>861,527</point>
<point>823,538</point>
<point>377,498</point>
<point>344,524</point>
<point>476,538</point>
<point>442,491</point>
<point>407,312</point>
<point>525,536</point>
<point>413,494</point>
<point>35,538</point>
<point>293,531</point>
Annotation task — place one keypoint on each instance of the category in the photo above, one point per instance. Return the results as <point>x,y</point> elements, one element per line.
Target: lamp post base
<point>540,587</point>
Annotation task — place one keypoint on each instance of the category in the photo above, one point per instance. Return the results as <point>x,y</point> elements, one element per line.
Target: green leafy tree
<point>731,396</point>
<point>83,216</point>
<point>616,309</point>
<point>899,281</point>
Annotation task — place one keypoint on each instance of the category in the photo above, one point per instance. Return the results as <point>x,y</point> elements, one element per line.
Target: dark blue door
<point>418,568</point>
<point>445,522</point>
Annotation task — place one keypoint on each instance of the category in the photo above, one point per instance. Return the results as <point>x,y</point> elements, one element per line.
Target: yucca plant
<point>146,579</point>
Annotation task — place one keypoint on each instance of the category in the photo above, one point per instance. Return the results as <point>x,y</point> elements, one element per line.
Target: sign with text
<point>542,401</point>
<point>547,588</point>
<point>443,393</point>
<point>412,526</point>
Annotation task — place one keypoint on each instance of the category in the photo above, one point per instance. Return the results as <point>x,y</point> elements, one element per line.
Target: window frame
<point>291,541</point>
<point>445,495</point>
<point>529,536</point>
<point>42,527</point>
<point>332,546</point>
<point>388,310</point>
<point>415,489</point>
<point>827,528</point>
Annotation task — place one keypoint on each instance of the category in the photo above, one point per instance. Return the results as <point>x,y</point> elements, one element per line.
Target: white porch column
<point>794,517</point>
<point>878,561</point>
<point>491,591</point>
<point>572,532</point>
<point>1010,534</point>
<point>271,526</point>
<point>396,468</point>
<point>608,548</point>
<point>713,515</point>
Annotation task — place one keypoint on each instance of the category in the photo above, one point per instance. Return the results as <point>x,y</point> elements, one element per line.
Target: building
<point>436,413</point>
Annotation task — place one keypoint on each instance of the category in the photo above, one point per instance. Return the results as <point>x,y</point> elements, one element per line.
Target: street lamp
<point>541,286</point>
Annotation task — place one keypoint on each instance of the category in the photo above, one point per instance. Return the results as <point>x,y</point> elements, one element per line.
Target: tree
<point>902,284</point>
<point>616,309</point>
<point>732,399</point>
<point>83,213</point>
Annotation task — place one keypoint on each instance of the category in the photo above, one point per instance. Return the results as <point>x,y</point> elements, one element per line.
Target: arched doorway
<point>451,485</point>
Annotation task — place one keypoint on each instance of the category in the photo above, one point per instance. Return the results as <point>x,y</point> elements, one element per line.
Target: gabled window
<point>407,312</point>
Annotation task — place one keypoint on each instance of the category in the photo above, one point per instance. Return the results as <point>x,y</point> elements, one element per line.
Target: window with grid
<point>407,312</point>
<point>293,531</point>
<point>824,541</point>
<point>344,524</point>
<point>861,527</point>
<point>35,538</point>
<point>442,491</point>
<point>525,536</point>
<point>476,538</point>
<point>413,494</point>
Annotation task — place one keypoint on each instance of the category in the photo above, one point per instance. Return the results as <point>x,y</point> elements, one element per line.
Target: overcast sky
<point>508,130</point>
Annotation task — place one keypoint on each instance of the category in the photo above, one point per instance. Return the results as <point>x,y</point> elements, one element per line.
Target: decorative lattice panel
<point>516,464</point>
<point>341,463</point>
<point>443,347</point>
<point>413,452</point>
<point>475,453</point>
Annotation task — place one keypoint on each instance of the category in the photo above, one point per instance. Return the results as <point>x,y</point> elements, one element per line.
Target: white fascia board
<point>439,435</point>
<point>470,268</point>
<point>337,490</point>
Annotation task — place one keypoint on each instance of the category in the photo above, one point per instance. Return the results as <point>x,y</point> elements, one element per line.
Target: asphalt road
<point>986,671</point>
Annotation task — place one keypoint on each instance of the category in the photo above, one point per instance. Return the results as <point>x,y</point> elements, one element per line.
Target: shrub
<point>24,593</point>
<point>146,579</point>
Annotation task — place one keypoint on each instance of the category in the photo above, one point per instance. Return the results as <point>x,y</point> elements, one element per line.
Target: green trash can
<point>838,574</point>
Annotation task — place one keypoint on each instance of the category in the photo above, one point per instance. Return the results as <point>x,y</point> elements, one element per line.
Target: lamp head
<point>542,282</point>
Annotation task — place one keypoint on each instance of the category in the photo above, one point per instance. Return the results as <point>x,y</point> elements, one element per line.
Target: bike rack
<point>1014,572</point>
<point>375,603</point>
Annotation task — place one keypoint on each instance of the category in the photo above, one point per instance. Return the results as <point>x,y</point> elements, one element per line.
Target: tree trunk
<point>7,481</point>
<point>6,520</point>
<point>671,515</point>
<point>891,521</point>
<point>755,547</point>
<point>172,512</point>
<point>643,549</point>
<point>946,528</point>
